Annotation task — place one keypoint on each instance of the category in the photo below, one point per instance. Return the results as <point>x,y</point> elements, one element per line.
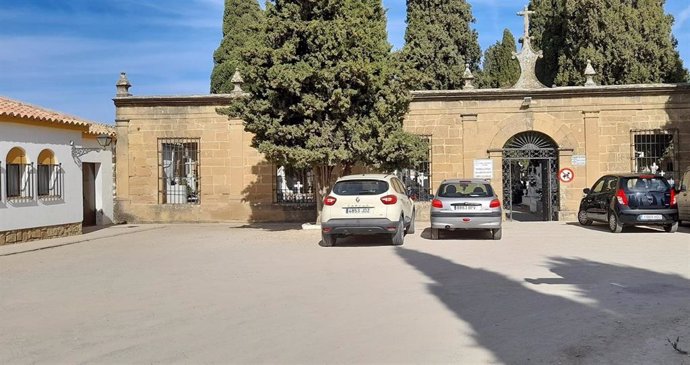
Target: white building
<point>54,175</point>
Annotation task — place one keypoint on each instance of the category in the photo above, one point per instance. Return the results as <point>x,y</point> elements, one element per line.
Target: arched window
<point>49,175</point>
<point>20,182</point>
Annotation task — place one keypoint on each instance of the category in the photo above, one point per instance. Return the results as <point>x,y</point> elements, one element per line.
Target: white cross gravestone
<point>299,187</point>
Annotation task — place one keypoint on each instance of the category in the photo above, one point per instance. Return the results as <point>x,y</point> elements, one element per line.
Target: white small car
<point>367,204</point>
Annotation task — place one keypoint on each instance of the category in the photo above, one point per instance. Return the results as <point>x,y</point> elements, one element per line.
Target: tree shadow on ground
<point>610,314</point>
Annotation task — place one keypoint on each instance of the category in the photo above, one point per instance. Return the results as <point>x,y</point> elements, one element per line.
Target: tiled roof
<point>14,108</point>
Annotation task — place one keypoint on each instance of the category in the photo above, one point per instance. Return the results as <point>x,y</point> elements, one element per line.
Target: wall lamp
<point>104,141</point>
<point>526,102</point>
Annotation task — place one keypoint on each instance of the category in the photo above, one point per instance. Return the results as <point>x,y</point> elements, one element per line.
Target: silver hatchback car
<point>466,204</point>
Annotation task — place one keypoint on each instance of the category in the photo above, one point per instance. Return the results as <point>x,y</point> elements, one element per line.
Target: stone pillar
<point>568,192</point>
<point>121,168</point>
<point>469,145</point>
<point>592,150</point>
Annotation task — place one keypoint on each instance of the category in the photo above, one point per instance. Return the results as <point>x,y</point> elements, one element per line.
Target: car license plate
<point>466,207</point>
<point>650,217</point>
<point>357,210</point>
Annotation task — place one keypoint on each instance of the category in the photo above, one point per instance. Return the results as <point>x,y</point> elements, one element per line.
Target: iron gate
<point>549,192</point>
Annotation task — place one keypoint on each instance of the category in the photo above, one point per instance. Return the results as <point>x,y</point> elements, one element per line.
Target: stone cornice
<point>550,93</point>
<point>177,100</point>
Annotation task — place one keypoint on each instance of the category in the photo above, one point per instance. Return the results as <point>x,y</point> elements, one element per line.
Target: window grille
<point>20,182</point>
<point>655,151</point>
<point>178,171</point>
<point>418,180</point>
<point>293,186</point>
<point>50,181</point>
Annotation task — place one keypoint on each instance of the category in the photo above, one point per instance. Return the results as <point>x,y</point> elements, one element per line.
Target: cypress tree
<point>500,69</point>
<point>439,41</point>
<point>242,28</point>
<point>324,90</point>
<point>629,42</point>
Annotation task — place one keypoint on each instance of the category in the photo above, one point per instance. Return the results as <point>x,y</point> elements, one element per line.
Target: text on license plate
<point>357,210</point>
<point>650,217</point>
<point>467,207</point>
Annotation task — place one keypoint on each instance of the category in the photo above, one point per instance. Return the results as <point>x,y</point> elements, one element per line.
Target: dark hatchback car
<point>629,200</point>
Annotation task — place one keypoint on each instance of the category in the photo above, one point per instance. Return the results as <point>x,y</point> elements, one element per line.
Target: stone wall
<point>592,121</point>
<point>39,233</point>
<point>236,183</point>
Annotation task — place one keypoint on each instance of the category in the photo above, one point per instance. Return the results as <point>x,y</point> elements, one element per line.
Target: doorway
<point>89,171</point>
<point>530,177</point>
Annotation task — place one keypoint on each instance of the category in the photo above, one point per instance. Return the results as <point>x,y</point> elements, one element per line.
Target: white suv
<point>367,204</point>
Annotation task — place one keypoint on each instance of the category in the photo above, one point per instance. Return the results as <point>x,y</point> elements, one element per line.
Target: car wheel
<point>327,240</point>
<point>398,237</point>
<point>582,218</point>
<point>671,228</point>
<point>614,224</point>
<point>410,228</point>
<point>434,233</point>
<point>497,233</point>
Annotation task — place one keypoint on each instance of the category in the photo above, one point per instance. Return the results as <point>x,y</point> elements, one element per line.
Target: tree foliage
<point>439,41</point>
<point>500,69</point>
<point>628,41</point>
<point>242,29</point>
<point>324,89</point>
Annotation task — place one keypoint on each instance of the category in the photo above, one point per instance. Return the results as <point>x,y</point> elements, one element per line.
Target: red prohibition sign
<point>566,175</point>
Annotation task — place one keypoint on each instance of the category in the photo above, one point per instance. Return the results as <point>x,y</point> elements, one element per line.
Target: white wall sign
<point>484,169</point>
<point>578,160</point>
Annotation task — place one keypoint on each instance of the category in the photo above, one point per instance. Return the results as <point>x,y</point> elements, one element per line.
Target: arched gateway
<point>530,182</point>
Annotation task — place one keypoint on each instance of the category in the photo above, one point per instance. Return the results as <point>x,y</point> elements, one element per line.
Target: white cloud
<point>681,19</point>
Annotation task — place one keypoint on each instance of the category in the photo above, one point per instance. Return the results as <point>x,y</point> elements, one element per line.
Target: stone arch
<point>544,123</point>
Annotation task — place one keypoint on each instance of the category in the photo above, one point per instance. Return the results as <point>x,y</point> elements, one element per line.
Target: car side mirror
<point>586,190</point>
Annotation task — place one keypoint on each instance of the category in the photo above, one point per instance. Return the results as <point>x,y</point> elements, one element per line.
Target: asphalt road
<point>548,293</point>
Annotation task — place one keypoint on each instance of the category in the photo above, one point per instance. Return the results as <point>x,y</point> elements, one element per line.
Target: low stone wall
<point>39,233</point>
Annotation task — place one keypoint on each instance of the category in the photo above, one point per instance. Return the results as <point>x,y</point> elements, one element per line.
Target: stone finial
<point>468,78</point>
<point>123,86</point>
<point>589,74</point>
<point>527,58</point>
<point>237,81</point>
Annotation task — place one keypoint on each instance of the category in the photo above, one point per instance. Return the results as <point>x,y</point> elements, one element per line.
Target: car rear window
<point>652,183</point>
<point>360,187</point>
<point>465,189</point>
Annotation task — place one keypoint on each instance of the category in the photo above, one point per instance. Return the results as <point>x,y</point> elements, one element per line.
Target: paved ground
<point>548,293</point>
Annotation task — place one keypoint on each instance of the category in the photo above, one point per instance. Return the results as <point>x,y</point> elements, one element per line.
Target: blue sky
<point>66,55</point>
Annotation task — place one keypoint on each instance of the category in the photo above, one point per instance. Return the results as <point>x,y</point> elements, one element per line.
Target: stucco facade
<point>41,180</point>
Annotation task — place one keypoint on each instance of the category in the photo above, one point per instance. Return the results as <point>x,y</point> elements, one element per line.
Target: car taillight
<point>622,198</point>
<point>436,203</point>
<point>329,200</point>
<point>673,198</point>
<point>389,199</point>
<point>495,203</point>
